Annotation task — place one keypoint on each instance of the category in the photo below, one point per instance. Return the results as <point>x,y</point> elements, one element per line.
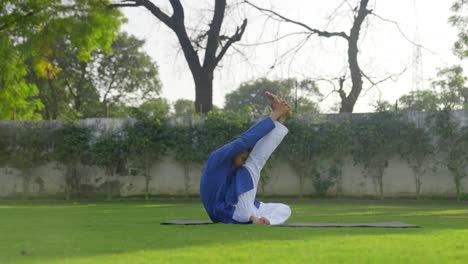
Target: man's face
<point>240,159</point>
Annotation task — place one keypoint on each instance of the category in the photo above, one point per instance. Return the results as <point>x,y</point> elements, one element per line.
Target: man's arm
<point>247,140</point>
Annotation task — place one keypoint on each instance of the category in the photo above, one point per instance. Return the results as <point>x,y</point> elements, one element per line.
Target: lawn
<point>128,231</point>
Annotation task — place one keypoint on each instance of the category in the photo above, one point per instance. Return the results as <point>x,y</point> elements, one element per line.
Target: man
<point>229,180</point>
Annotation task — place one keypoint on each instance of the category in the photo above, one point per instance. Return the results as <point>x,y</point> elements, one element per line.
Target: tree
<point>299,149</point>
<point>460,21</point>
<point>71,88</point>
<point>184,107</point>
<point>376,139</point>
<point>29,28</point>
<point>421,100</point>
<point>102,87</point>
<point>16,95</point>
<point>383,106</point>
<point>251,94</point>
<point>451,140</point>
<point>110,153</point>
<point>184,110</point>
<point>127,75</point>
<point>212,41</point>
<point>453,90</point>
<point>5,138</point>
<point>28,150</point>
<point>359,14</point>
<point>155,108</point>
<point>71,149</point>
<point>417,151</point>
<point>146,140</point>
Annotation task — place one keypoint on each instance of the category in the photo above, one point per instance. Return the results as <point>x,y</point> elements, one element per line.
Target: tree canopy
<point>28,30</point>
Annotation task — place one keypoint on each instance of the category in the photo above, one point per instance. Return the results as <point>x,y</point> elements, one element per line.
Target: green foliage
<point>220,127</point>
<point>105,86</point>
<point>418,151</point>
<point>5,141</point>
<point>251,95</point>
<point>193,141</point>
<point>383,106</point>
<point>377,138</point>
<point>70,91</point>
<point>299,148</point>
<point>71,148</point>
<point>334,145</point>
<point>126,75</point>
<point>316,149</point>
<point>110,153</point>
<point>29,29</point>
<point>156,109</point>
<point>184,110</point>
<point>15,92</point>
<point>146,144</point>
<point>453,89</point>
<point>460,21</point>
<point>421,100</point>
<point>29,149</point>
<point>186,150</point>
<point>452,144</point>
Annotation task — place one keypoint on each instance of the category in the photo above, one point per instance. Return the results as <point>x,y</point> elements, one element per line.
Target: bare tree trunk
<point>202,72</point>
<point>78,97</point>
<point>54,105</point>
<point>204,92</point>
<point>348,102</point>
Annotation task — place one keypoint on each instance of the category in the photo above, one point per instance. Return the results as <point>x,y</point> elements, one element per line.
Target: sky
<point>386,49</point>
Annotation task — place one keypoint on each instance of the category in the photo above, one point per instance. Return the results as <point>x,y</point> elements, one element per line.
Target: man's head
<point>240,158</point>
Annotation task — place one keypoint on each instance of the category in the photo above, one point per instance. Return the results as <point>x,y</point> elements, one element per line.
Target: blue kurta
<point>221,183</point>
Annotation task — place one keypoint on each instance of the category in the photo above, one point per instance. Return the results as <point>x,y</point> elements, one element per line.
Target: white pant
<point>276,213</point>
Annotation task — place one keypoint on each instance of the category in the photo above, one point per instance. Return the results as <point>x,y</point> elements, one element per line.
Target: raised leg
<point>245,207</point>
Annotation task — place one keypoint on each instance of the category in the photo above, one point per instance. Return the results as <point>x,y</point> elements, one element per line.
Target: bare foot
<point>275,101</point>
<point>281,109</point>
<point>259,220</point>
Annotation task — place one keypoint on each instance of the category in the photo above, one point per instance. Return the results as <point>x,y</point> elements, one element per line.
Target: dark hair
<point>238,136</point>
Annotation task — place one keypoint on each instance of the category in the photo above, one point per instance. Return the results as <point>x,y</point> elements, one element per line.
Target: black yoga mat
<point>378,224</point>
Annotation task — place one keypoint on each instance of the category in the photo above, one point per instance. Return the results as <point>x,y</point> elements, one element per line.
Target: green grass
<point>129,232</point>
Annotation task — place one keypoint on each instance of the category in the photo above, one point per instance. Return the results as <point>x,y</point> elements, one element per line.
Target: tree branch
<point>234,38</point>
<point>156,11</point>
<point>341,92</point>
<point>179,16</point>
<point>375,84</point>
<point>213,34</point>
<point>402,33</point>
<point>320,33</point>
<point>275,40</point>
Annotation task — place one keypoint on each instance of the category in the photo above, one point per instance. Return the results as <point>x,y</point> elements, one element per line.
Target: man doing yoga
<point>230,177</point>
